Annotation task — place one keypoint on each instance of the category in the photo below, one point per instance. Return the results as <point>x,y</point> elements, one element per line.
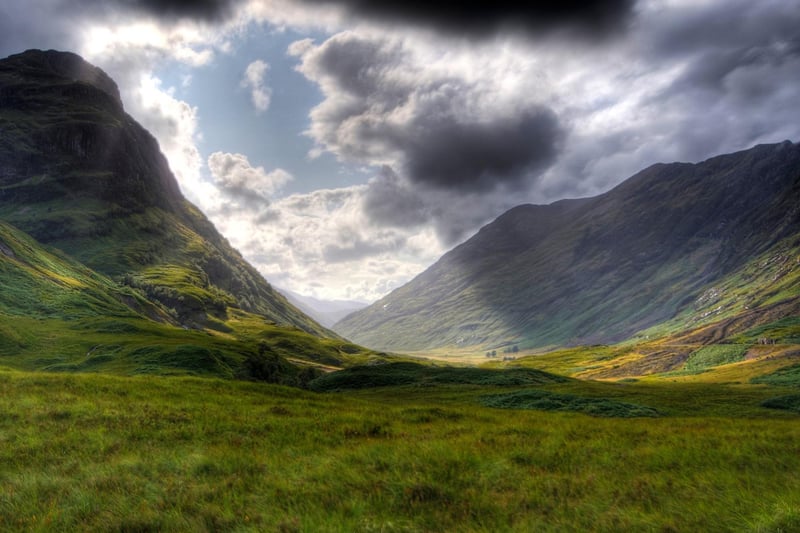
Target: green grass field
<point>83,452</point>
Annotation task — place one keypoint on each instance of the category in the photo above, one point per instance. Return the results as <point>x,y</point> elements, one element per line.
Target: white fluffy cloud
<point>322,243</point>
<point>325,243</point>
<point>234,175</point>
<point>254,80</point>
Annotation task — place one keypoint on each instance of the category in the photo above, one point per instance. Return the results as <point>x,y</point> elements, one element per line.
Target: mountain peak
<point>79,174</point>
<point>63,121</point>
<point>67,66</point>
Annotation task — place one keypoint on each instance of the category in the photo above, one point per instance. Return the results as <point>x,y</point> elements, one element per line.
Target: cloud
<point>390,202</point>
<point>442,130</point>
<point>324,243</point>
<point>355,248</point>
<point>207,10</point>
<point>253,79</point>
<point>475,155</point>
<point>587,18</point>
<point>25,25</point>
<point>453,133</point>
<point>235,176</point>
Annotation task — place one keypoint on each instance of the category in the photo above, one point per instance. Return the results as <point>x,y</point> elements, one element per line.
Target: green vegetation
<point>96,452</point>
<point>789,403</point>
<point>783,331</point>
<point>58,315</point>
<point>788,377</point>
<point>405,373</point>
<point>715,355</point>
<point>548,401</point>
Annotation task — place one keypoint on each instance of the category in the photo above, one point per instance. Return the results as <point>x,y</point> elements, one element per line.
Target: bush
<point>715,355</point>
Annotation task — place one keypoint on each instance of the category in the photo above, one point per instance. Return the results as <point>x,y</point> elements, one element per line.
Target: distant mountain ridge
<point>326,312</point>
<point>79,174</point>
<point>596,270</point>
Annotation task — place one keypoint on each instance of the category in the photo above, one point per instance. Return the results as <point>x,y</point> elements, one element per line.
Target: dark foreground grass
<point>790,402</point>
<point>549,401</point>
<point>101,453</point>
<point>409,373</point>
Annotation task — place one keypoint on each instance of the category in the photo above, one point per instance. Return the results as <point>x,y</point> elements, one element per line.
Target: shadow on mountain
<point>600,269</point>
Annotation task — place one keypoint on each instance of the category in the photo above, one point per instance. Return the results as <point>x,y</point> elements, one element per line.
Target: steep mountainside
<point>58,315</point>
<point>600,269</point>
<point>79,174</point>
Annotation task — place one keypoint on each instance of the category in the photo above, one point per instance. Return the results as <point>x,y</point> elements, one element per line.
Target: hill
<point>598,270</point>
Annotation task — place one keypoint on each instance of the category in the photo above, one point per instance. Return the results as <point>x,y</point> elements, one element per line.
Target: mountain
<point>598,270</point>
<point>105,266</point>
<point>326,312</point>
<point>58,315</point>
<point>79,174</point>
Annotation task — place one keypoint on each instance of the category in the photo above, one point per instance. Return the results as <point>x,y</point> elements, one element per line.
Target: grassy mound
<point>548,401</point>
<point>787,403</point>
<point>403,373</point>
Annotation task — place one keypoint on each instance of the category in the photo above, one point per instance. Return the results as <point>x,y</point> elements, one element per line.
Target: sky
<point>342,146</point>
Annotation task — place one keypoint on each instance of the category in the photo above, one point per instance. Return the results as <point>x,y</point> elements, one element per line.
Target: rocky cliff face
<point>78,173</point>
<point>65,133</point>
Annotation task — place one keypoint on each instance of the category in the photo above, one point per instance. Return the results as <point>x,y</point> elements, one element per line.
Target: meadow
<point>83,452</point>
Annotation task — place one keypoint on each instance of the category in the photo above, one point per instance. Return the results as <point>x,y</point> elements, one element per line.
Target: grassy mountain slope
<point>79,174</point>
<point>58,315</point>
<point>105,266</point>
<point>598,269</point>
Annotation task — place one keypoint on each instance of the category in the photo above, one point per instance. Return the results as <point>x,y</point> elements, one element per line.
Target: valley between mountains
<point>626,362</point>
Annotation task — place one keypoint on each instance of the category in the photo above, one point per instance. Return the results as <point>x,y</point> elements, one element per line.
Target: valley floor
<point>96,452</point>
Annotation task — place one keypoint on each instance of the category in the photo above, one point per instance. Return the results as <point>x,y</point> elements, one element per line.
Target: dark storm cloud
<point>208,10</point>
<point>590,18</point>
<point>438,130</point>
<point>388,202</point>
<point>391,202</point>
<point>478,155</point>
<point>740,76</point>
<point>729,25</point>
